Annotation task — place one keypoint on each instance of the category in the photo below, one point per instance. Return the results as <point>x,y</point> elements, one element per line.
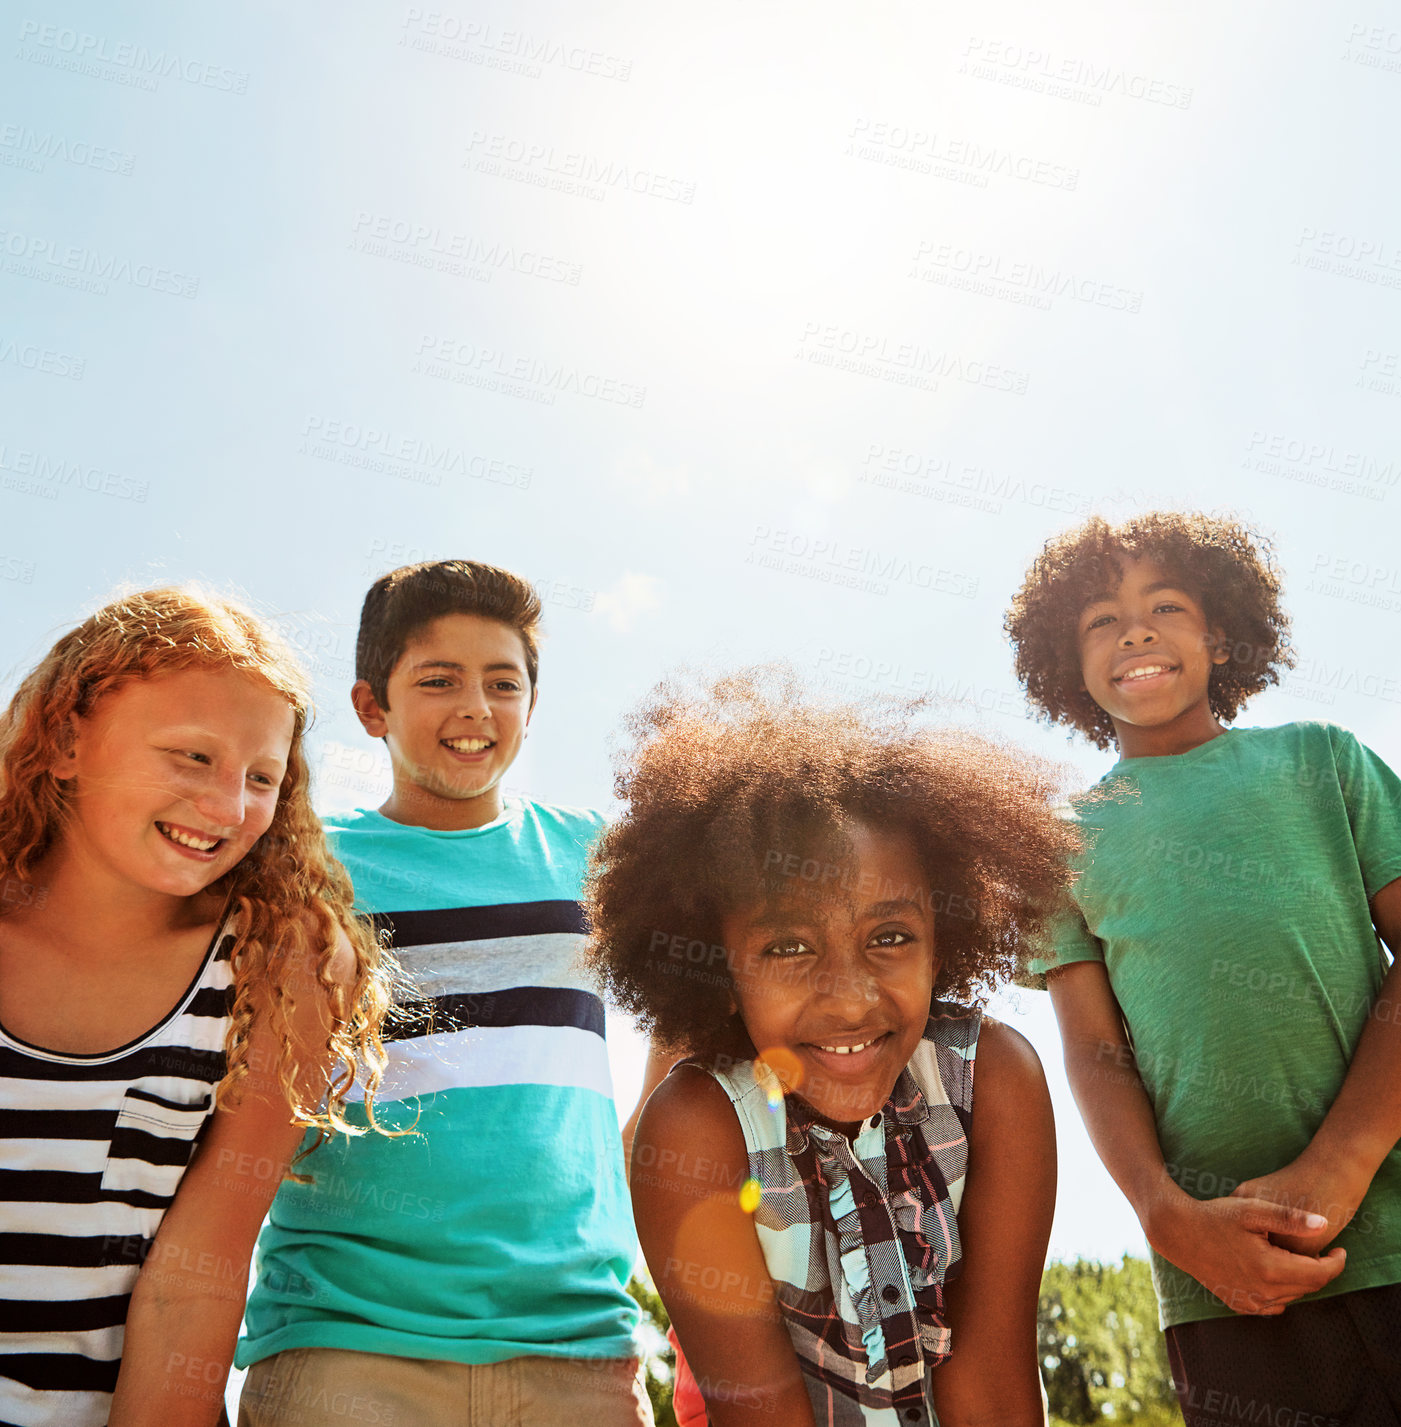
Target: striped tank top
<point>92,1150</point>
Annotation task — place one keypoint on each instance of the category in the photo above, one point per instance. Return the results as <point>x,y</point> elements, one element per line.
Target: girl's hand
<point>1228,1246</point>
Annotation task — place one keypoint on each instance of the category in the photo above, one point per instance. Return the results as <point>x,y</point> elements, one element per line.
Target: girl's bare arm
<point>188,1301</point>
<point>1004,1223</point>
<point>688,1165</point>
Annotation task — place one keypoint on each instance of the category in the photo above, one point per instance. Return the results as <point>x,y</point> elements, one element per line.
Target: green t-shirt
<point>1225,890</point>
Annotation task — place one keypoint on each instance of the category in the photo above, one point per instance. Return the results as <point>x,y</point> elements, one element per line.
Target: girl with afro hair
<point>811,904</point>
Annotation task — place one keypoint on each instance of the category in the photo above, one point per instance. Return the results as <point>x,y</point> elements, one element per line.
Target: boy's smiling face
<point>1146,656</point>
<point>834,982</point>
<point>459,702</point>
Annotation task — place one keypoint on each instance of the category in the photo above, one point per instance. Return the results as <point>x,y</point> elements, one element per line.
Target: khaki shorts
<point>329,1387</point>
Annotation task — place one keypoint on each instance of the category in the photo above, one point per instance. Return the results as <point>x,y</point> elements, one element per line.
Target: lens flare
<point>750,1193</point>
<point>782,1063</point>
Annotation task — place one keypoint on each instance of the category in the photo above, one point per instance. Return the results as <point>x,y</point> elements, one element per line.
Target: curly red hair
<point>294,900</point>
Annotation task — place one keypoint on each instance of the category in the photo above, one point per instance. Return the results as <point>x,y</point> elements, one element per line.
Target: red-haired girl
<point>183,988</point>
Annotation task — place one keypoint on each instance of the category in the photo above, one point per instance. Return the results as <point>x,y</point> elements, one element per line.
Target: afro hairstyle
<point>1228,567</point>
<point>726,782</point>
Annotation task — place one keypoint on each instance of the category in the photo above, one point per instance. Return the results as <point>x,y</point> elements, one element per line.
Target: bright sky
<point>749,331</point>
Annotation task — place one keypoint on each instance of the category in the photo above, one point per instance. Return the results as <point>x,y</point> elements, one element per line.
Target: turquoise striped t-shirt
<point>503,1227</point>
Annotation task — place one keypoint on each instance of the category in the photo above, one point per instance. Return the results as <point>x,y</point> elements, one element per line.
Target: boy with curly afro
<point>1229,1019</point>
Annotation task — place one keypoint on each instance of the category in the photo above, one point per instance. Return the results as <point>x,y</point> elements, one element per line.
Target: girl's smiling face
<point>174,778</point>
<point>833,980</point>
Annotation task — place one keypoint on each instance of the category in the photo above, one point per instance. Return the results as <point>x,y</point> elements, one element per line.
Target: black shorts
<point>1334,1362</point>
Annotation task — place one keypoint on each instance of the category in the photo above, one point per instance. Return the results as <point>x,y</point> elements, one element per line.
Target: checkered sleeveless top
<point>861,1237</point>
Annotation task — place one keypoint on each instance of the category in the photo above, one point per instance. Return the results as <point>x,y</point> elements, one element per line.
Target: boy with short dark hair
<point>473,1271</point>
<point>1228,1017</point>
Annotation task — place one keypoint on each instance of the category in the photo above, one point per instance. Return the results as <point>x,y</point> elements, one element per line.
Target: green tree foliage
<point>1103,1358</point>
<point>660,1359</point>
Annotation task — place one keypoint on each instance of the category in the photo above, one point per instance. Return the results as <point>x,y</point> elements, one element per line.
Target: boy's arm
<point>660,1059</point>
<point>1363,1124</point>
<point>1223,1243</point>
<point>705,1257</point>
<point>1004,1224</point>
<point>189,1296</point>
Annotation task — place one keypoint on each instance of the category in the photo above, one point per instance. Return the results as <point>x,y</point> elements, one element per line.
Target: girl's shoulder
<point>690,1091</point>
<point>963,1047</point>
<point>757,1100</point>
<point>1009,1069</point>
<point>688,1137</point>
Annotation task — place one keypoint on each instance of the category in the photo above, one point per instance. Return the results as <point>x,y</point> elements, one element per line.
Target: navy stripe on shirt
<point>183,1061</point>
<point>57,1125</point>
<point>482,923</point>
<point>62,1372</point>
<point>56,1186</point>
<point>70,1251</point>
<point>62,1315</point>
<point>518,1006</point>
